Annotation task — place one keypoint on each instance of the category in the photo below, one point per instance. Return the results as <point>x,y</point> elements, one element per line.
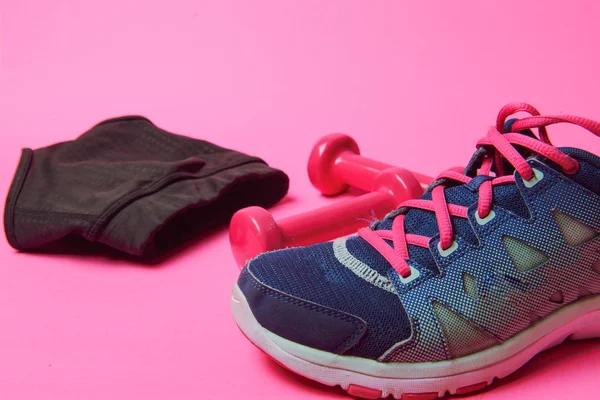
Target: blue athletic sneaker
<point>448,292</point>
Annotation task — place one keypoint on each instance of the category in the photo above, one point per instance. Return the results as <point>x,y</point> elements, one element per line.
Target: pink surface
<point>267,78</point>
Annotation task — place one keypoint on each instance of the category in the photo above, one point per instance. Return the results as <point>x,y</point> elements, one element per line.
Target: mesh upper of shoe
<point>313,273</point>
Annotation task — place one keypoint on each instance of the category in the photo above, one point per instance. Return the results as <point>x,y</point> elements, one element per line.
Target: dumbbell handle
<point>333,221</point>
<point>360,172</point>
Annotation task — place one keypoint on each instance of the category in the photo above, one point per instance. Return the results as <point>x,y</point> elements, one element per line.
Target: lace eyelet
<point>537,176</point>
<point>414,274</point>
<point>482,221</point>
<point>449,250</point>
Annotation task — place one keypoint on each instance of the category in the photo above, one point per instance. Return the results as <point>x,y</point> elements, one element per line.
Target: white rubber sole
<point>422,381</point>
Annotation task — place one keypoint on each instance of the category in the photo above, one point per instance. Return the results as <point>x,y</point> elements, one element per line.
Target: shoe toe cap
<point>298,320</point>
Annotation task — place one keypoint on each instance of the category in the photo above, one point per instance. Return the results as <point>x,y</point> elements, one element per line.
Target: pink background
<point>416,83</point>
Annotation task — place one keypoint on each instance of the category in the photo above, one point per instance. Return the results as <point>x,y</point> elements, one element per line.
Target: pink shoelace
<point>503,149</point>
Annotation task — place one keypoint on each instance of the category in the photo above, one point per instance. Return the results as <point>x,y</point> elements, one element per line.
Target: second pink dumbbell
<point>335,164</point>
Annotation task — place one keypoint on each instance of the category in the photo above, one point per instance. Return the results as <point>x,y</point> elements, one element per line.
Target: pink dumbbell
<point>253,230</point>
<point>335,164</point>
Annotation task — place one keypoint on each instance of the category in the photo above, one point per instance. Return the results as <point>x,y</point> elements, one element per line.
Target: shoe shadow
<point>548,362</point>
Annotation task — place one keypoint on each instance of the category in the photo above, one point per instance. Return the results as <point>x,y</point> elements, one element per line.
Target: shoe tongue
<point>424,223</point>
<point>421,222</point>
<point>508,168</point>
<point>466,194</point>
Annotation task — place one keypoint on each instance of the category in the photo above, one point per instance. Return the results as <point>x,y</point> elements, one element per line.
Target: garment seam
<point>47,215</point>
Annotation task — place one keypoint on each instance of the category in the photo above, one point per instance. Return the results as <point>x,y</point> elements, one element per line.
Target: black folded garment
<point>132,186</point>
